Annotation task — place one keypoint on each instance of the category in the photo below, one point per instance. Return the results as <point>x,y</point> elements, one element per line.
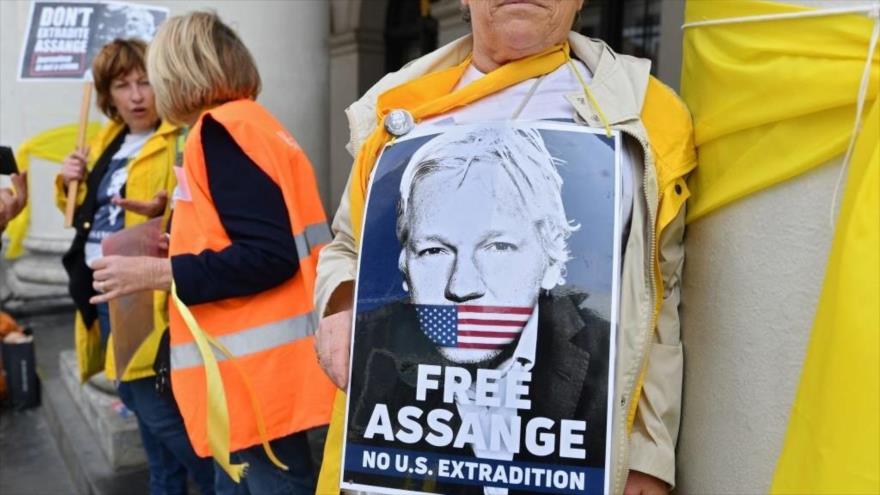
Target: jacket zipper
<point>623,415</point>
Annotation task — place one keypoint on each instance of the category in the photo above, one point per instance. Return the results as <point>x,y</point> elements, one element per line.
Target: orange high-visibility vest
<point>270,334</point>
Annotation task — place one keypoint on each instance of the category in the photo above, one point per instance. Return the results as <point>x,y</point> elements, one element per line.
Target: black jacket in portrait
<point>569,380</point>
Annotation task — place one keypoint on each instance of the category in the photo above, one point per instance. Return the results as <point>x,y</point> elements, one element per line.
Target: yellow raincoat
<point>148,173</point>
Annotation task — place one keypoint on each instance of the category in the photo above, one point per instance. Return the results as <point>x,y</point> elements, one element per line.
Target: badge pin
<point>399,122</point>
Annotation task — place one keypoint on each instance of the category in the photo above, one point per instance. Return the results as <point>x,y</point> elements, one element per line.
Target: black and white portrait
<point>484,310</point>
<point>128,21</point>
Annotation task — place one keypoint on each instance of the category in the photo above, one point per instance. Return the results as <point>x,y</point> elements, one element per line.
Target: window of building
<point>628,26</point>
<point>410,32</point>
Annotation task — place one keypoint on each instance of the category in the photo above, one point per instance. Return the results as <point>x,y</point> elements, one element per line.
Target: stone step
<point>113,424</point>
<point>101,448</point>
<point>87,464</point>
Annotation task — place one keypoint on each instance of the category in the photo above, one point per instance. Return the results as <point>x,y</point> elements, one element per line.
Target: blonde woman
<point>248,223</point>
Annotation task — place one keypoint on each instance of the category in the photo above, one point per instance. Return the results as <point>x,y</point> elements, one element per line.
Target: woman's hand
<point>11,203</point>
<point>333,343</point>
<point>638,483</point>
<point>150,209</point>
<point>74,166</point>
<point>116,276</point>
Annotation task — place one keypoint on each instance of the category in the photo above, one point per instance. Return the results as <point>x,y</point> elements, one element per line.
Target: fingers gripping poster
<point>485,302</point>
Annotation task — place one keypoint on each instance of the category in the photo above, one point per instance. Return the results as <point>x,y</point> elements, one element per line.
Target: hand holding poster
<point>63,37</point>
<point>485,303</point>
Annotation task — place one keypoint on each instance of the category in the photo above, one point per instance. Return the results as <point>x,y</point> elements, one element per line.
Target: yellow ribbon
<point>217,410</point>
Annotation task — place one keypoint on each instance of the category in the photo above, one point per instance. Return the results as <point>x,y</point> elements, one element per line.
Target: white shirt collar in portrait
<point>523,359</point>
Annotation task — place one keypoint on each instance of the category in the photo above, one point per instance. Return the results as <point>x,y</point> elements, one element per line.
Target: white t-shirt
<point>110,218</point>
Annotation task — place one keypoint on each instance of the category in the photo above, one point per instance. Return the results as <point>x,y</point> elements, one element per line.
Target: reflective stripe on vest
<point>313,235</point>
<point>249,340</point>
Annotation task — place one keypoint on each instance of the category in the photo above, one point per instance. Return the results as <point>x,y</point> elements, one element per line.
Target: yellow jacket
<point>149,172</point>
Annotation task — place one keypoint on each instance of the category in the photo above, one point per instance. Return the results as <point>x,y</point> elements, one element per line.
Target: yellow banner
<point>773,98</point>
<point>52,145</point>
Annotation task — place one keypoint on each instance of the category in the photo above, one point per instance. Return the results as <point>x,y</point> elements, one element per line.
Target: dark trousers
<point>169,452</point>
<point>300,452</point>
<point>170,456</point>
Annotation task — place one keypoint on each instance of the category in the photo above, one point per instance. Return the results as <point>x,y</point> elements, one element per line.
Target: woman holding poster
<point>126,179</point>
<point>505,268</point>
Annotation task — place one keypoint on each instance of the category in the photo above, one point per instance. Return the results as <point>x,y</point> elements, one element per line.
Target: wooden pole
<point>73,186</point>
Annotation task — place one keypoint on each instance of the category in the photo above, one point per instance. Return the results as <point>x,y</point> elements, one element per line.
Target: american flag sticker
<point>472,327</point>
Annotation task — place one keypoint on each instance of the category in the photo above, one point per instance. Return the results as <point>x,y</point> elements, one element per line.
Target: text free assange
<point>542,436</point>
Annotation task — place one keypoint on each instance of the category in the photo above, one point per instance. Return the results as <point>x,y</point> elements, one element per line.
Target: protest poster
<point>63,37</point>
<point>485,308</point>
<point>131,315</point>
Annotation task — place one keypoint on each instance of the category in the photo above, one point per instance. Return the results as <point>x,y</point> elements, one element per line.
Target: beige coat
<point>619,84</point>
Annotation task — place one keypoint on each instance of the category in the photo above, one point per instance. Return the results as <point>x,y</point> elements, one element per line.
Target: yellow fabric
<point>218,414</point>
<point>52,145</point>
<point>149,172</point>
<point>833,439</point>
<point>668,124</point>
<point>90,352</point>
<point>760,91</point>
<point>772,100</point>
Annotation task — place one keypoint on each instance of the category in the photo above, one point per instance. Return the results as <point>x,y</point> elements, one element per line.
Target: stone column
<point>36,280</point>
<point>669,57</point>
<point>357,60</point>
<point>289,43</point>
<point>448,15</point>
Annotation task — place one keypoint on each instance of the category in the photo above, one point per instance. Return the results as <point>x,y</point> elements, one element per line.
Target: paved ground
<point>30,462</point>
<point>51,449</point>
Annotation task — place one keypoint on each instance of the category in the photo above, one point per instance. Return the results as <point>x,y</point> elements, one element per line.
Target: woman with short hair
<point>125,179</point>
<point>248,223</point>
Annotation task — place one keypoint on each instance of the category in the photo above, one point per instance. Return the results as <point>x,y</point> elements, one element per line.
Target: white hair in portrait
<point>521,155</point>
